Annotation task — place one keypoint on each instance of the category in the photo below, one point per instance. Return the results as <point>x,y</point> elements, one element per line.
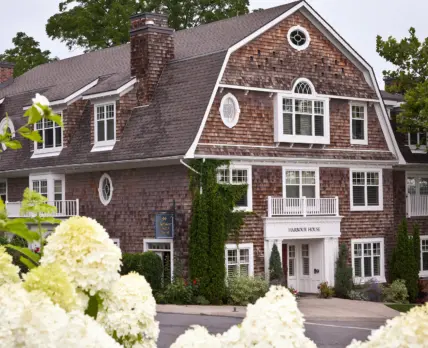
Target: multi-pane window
<point>235,175</point>
<point>417,185</point>
<point>41,186</point>
<point>305,259</point>
<point>51,134</point>
<point>300,183</point>
<point>366,190</point>
<point>105,189</point>
<point>358,124</point>
<point>3,191</point>
<point>239,260</point>
<point>105,123</point>
<point>51,186</point>
<point>367,258</point>
<point>292,260</point>
<point>424,255</point>
<point>418,140</point>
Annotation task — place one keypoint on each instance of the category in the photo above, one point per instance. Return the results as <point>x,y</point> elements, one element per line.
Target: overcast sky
<point>358,21</point>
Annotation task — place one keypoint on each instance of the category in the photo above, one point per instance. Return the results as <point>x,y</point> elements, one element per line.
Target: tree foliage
<point>417,245</point>
<point>404,265</point>
<point>410,77</point>
<point>26,54</point>
<point>276,274</point>
<point>343,276</point>
<point>214,221</point>
<point>95,24</point>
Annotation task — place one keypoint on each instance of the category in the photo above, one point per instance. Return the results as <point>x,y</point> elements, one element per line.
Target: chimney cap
<point>148,15</point>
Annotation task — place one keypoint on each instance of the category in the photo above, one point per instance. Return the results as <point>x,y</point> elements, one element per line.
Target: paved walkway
<point>312,308</point>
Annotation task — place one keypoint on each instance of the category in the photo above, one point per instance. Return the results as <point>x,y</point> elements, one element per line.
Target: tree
<point>410,77</point>
<point>417,245</point>
<point>26,54</point>
<point>96,24</point>
<point>403,265</point>
<point>343,276</point>
<point>276,274</point>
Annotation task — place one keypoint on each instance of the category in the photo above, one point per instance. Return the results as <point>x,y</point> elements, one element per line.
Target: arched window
<point>7,125</point>
<point>303,87</point>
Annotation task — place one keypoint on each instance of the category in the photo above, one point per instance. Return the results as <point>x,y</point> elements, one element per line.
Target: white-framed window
<point>116,241</point>
<point>229,110</point>
<point>6,124</point>
<point>104,126</point>
<point>417,184</point>
<point>368,259</point>
<point>3,190</point>
<point>366,189</point>
<point>305,260</point>
<point>239,259</point>
<point>52,136</point>
<point>105,189</point>
<point>165,250</point>
<point>291,261</point>
<point>424,256</point>
<point>238,175</point>
<point>302,116</point>
<point>52,186</point>
<point>359,127</point>
<point>298,37</point>
<point>299,183</point>
<point>417,141</point>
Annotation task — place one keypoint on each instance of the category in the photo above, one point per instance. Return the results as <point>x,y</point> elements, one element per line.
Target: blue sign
<point>164,225</point>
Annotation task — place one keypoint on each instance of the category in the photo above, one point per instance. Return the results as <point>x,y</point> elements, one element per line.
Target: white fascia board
<point>120,91</point>
<point>1,101</point>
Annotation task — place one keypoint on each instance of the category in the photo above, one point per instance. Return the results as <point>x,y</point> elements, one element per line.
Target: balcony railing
<point>63,209</point>
<point>417,205</point>
<point>303,206</point>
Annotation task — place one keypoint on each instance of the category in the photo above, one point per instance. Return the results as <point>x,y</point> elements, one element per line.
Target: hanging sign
<point>164,225</point>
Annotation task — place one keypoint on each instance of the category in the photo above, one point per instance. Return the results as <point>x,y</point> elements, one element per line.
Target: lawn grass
<point>400,307</point>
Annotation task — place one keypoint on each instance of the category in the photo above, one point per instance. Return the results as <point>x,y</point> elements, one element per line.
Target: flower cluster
<point>83,249</point>
<point>406,330</point>
<point>9,273</point>
<point>128,312</point>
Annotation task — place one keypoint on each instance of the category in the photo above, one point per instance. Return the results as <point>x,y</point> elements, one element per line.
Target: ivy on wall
<point>214,221</point>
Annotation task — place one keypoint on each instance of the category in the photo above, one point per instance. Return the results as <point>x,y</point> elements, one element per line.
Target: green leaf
<point>33,114</point>
<point>19,228</point>
<point>27,262</point>
<point>50,220</point>
<point>13,144</point>
<point>32,135</point>
<point>25,251</point>
<point>55,118</point>
<point>93,304</point>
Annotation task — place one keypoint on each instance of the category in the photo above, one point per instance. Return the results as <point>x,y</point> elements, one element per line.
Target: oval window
<point>298,38</point>
<point>105,189</point>
<point>229,110</point>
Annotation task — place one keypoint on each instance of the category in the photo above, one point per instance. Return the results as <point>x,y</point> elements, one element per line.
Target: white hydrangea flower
<point>129,310</point>
<point>9,273</point>
<point>407,330</point>
<point>197,337</point>
<point>83,249</point>
<point>40,99</point>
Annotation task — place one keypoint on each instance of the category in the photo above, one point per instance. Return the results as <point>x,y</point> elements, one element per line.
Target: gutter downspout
<point>189,167</point>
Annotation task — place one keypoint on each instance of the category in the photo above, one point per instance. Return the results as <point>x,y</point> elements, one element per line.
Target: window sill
<point>423,274</point>
<point>359,142</point>
<point>364,280</point>
<point>367,208</point>
<point>243,209</point>
<point>103,147</point>
<point>46,153</point>
<point>303,139</point>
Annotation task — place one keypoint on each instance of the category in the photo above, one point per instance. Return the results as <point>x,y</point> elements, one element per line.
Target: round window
<point>105,189</point>
<point>229,110</point>
<point>298,38</point>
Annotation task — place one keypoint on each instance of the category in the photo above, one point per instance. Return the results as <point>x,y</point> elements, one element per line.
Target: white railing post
<point>336,205</point>
<point>304,205</point>
<point>77,207</point>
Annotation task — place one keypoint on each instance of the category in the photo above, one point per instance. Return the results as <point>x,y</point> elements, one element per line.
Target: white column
<point>331,251</point>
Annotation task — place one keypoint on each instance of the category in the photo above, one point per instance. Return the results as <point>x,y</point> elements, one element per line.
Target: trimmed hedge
<point>148,264</point>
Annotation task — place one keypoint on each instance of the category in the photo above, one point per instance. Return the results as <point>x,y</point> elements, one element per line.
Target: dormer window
<point>418,141</point>
<point>51,134</point>
<point>302,116</point>
<point>104,126</point>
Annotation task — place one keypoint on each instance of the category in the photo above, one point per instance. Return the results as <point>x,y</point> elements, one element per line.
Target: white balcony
<point>417,205</point>
<point>63,209</point>
<point>303,206</point>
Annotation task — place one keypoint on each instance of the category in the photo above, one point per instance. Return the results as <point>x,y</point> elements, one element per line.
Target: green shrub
<point>343,277</point>
<point>357,295</point>
<point>396,292</point>
<point>276,274</point>
<point>148,264</point>
<point>325,291</point>
<point>178,292</point>
<point>244,290</point>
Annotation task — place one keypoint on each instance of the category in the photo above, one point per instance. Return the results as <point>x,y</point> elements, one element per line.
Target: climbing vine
<point>214,221</point>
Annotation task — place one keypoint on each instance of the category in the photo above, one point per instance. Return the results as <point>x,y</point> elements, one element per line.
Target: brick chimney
<point>152,47</point>
<point>6,71</point>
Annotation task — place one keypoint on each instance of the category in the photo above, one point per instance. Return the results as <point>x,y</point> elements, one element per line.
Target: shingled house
<point>278,92</point>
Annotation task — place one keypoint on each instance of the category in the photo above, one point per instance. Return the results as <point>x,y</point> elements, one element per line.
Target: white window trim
<point>366,207</point>
<point>3,122</point>
<point>364,141</point>
<point>234,246</point>
<point>308,38</point>
<point>100,190</point>
<point>422,148</point>
<point>362,280</point>
<point>422,273</point>
<point>237,110</point>
<point>52,151</point>
<point>116,241</point>
<point>50,178</point>
<point>7,189</point>
<point>300,169</point>
<point>249,169</point>
<point>166,241</point>
<point>105,145</point>
<point>279,121</point>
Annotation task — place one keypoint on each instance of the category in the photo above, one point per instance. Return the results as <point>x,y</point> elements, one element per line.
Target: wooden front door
<point>285,262</point>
